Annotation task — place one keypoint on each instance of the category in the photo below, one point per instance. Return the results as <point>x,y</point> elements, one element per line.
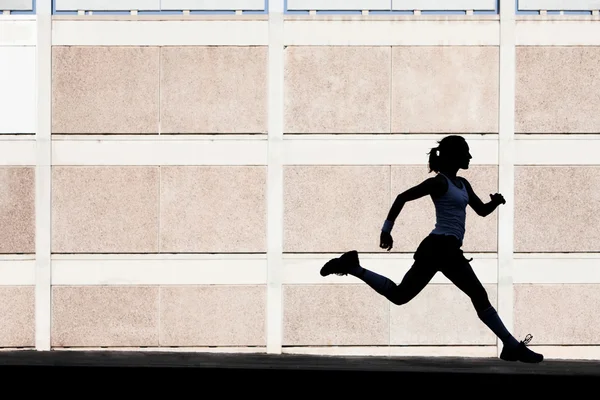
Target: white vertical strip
<point>506,163</point>
<point>275,179</point>
<point>43,175</point>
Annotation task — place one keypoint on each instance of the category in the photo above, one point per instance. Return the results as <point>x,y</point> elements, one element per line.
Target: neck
<point>450,173</point>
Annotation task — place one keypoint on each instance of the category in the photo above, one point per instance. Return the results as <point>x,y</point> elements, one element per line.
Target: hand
<point>497,198</point>
<point>386,241</point>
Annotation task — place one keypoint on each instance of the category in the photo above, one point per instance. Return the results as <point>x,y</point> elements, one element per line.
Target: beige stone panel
<point>335,208</point>
<point>213,209</point>
<point>213,316</point>
<point>105,209</point>
<point>112,316</point>
<point>113,89</point>
<point>344,89</point>
<point>557,89</point>
<point>556,208</point>
<point>558,314</point>
<point>417,218</point>
<point>440,315</point>
<point>17,316</point>
<point>17,210</point>
<point>214,89</point>
<point>445,89</point>
<point>334,315</point>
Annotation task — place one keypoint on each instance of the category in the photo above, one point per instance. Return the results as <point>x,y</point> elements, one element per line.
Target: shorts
<point>440,248</point>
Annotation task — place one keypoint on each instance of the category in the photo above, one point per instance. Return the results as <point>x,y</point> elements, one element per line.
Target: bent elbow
<point>481,212</point>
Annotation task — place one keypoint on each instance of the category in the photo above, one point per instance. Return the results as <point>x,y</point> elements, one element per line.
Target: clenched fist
<point>497,198</point>
<point>386,241</point>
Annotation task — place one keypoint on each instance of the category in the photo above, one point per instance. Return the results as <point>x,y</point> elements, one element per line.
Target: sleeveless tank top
<point>450,211</point>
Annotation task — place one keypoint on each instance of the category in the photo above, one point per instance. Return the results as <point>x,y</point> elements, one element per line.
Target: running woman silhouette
<point>441,249</point>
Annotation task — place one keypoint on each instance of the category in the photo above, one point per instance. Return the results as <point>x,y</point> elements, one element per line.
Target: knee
<point>398,300</point>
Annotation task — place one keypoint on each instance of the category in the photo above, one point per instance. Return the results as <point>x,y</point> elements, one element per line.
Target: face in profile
<point>463,155</point>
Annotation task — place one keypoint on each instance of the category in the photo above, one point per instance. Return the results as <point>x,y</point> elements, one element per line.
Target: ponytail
<point>434,159</point>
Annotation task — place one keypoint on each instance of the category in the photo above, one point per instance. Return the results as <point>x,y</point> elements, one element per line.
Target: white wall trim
<point>169,349</point>
<point>578,32</point>
<point>17,90</point>
<point>294,269</point>
<point>17,31</point>
<point>17,17</point>
<point>17,271</point>
<point>8,137</point>
<point>377,149</point>
<point>160,33</point>
<point>556,256</point>
<point>570,352</point>
<point>295,149</point>
<point>390,33</point>
<point>304,269</point>
<point>253,150</point>
<point>303,32</point>
<point>557,150</point>
<point>276,67</point>
<point>159,271</point>
<point>43,179</point>
<point>18,151</point>
<point>157,137</point>
<point>506,118</point>
<point>161,150</point>
<point>540,269</point>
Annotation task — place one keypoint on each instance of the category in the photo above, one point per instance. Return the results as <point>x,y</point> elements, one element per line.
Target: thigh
<point>415,279</point>
<point>461,274</point>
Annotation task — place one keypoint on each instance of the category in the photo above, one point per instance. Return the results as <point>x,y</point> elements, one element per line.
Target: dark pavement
<point>274,375</point>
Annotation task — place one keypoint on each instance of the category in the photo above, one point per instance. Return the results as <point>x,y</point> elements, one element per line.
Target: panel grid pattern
<point>173,283</point>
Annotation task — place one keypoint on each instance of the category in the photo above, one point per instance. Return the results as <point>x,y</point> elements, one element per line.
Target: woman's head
<point>452,153</point>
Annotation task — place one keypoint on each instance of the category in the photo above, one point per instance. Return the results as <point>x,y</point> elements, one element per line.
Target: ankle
<point>510,343</point>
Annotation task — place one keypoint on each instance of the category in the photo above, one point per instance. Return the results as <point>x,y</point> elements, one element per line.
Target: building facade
<point>174,177</point>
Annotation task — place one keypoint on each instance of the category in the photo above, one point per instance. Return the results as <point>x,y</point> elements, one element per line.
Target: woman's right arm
<point>432,186</point>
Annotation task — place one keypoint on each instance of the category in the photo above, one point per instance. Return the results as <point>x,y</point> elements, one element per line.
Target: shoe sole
<point>350,257</point>
<point>323,271</point>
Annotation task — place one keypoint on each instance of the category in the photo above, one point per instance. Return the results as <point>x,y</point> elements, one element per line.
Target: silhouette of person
<point>441,249</point>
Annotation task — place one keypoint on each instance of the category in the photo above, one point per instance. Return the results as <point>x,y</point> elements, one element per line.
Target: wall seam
<point>275,69</point>
<point>506,132</point>
<point>43,177</point>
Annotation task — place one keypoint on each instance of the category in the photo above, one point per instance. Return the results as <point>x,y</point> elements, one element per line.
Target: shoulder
<point>467,184</point>
<point>438,185</point>
<point>465,181</point>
